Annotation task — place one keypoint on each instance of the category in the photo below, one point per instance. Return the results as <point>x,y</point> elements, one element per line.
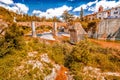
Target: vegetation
<point>90,25</point>
<point>8,16</point>
<point>43,28</point>
<point>14,49</point>
<point>67,16</point>
<point>13,39</point>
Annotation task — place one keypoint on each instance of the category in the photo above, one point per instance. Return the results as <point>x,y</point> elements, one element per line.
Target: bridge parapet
<point>38,24</point>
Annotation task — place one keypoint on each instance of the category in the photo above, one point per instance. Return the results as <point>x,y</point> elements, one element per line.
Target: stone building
<point>77,33</point>
<point>115,12</point>
<point>102,15</point>
<point>90,17</point>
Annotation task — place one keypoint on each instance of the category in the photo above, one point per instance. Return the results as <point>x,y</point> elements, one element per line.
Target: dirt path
<point>61,74</point>
<point>106,44</point>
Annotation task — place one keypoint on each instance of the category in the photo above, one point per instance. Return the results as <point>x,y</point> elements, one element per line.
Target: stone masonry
<point>109,29</point>
<point>77,33</point>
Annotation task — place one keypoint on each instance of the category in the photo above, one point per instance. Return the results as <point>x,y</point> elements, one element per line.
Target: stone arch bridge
<point>38,24</point>
<point>34,25</point>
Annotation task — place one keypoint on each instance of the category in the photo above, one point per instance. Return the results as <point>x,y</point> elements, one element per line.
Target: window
<point>116,12</point>
<point>116,8</point>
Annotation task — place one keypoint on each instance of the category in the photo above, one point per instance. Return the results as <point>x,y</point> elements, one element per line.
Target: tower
<point>100,8</point>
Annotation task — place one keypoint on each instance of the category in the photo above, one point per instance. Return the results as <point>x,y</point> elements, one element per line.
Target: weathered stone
<point>77,33</point>
<point>54,29</point>
<point>33,30</point>
<point>109,29</point>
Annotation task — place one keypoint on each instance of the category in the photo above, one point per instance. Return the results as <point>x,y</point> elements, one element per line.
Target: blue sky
<point>50,8</point>
<point>43,5</point>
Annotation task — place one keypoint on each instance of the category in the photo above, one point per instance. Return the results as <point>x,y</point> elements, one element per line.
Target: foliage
<point>58,53</point>
<point>8,16</point>
<point>13,39</point>
<point>90,25</point>
<point>43,28</point>
<point>67,16</point>
<point>86,53</point>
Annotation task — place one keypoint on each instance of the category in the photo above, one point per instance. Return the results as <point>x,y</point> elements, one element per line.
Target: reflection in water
<point>49,36</point>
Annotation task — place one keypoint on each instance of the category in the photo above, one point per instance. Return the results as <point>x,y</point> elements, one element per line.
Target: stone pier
<point>33,29</point>
<point>54,32</point>
<point>77,33</point>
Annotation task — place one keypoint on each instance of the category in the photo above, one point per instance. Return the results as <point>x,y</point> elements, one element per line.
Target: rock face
<point>109,29</point>
<point>3,26</point>
<point>39,66</point>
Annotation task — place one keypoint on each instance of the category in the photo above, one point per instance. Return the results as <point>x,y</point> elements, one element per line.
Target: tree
<point>13,39</point>
<point>65,15</point>
<point>68,17</point>
<point>81,14</point>
<point>55,19</point>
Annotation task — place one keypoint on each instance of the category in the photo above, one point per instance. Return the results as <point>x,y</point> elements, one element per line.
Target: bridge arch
<point>34,25</point>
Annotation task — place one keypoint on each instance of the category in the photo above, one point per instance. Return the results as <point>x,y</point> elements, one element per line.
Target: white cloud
<point>91,3</point>
<point>91,9</point>
<point>17,7</point>
<point>36,12</point>
<point>23,8</point>
<point>106,4</point>
<point>7,1</point>
<point>53,11</point>
<point>85,6</point>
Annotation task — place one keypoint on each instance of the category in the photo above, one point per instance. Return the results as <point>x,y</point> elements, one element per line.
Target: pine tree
<point>81,14</point>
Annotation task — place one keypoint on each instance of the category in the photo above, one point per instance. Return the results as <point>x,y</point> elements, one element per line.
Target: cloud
<point>107,4</point>
<point>93,6</point>
<point>7,1</point>
<point>36,12</point>
<point>16,7</point>
<point>85,6</point>
<point>23,8</point>
<point>52,11</point>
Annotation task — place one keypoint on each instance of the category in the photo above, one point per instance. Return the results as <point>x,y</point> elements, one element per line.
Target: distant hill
<point>8,16</point>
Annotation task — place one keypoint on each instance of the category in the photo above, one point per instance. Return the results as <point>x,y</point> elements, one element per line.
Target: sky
<point>51,8</point>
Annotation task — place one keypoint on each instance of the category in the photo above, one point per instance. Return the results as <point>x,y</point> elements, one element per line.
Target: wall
<point>109,29</point>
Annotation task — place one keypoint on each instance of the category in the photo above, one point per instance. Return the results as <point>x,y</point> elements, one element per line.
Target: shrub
<point>13,39</point>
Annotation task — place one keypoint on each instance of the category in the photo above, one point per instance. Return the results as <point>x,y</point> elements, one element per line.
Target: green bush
<point>13,39</point>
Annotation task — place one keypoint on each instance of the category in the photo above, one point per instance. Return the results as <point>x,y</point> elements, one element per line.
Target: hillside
<point>8,16</point>
<point>26,58</point>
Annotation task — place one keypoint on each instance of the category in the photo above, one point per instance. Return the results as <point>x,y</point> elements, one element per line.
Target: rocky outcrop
<point>38,67</point>
<point>3,26</point>
<point>97,73</point>
<point>109,29</point>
